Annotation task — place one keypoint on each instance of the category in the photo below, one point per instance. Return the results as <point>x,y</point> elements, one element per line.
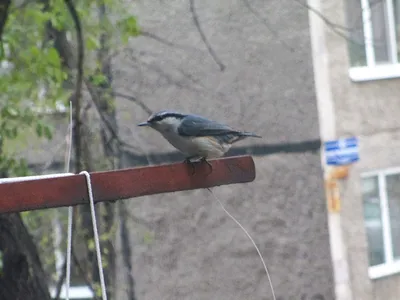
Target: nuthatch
<point>195,136</point>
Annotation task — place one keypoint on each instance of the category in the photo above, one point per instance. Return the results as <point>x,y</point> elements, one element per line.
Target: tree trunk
<point>21,276</point>
<point>21,272</point>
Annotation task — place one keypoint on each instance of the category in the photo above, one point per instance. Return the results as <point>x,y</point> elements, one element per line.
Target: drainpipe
<point>326,114</point>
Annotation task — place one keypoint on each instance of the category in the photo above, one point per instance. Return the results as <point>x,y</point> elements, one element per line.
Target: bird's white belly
<point>197,146</point>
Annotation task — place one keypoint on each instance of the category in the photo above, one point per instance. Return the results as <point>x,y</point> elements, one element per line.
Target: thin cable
<point>96,234</point>
<point>70,212</point>
<point>251,239</point>
<point>70,138</point>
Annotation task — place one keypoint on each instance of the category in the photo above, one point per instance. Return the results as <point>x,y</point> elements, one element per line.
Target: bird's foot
<point>188,161</point>
<point>192,164</point>
<point>203,159</point>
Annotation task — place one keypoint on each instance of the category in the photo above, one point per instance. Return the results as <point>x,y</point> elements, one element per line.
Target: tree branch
<point>135,100</point>
<point>203,36</point>
<point>321,16</point>
<point>4,7</point>
<point>78,86</point>
<point>104,119</point>
<point>339,29</point>
<point>268,26</point>
<point>164,41</point>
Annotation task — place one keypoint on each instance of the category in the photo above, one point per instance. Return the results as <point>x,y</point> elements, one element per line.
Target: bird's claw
<point>203,159</point>
<point>192,164</point>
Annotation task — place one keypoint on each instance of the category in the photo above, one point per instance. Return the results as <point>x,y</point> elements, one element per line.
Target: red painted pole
<point>123,184</point>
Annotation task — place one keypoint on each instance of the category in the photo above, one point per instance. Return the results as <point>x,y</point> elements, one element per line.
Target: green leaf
<point>11,133</point>
<point>11,112</point>
<point>99,79</point>
<point>47,132</point>
<point>90,244</point>
<point>53,57</point>
<point>92,43</point>
<point>39,129</point>
<point>129,28</point>
<point>15,132</point>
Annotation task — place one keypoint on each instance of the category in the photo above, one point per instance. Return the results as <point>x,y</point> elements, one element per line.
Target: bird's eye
<point>155,119</point>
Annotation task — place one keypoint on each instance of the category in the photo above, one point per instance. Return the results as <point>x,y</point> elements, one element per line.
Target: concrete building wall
<point>368,110</point>
<point>184,246</point>
<point>195,251</point>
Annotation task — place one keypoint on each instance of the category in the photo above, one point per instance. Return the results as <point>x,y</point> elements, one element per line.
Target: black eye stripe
<point>156,118</point>
<point>165,115</point>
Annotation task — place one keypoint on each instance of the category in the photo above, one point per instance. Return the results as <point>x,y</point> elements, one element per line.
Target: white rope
<point>69,251</point>
<point>251,239</point>
<point>70,212</point>
<point>96,234</point>
<point>34,177</point>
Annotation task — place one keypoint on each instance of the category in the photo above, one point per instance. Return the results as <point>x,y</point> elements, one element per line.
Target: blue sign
<point>342,152</point>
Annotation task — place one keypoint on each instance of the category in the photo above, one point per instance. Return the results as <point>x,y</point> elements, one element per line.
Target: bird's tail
<point>249,134</point>
<point>238,136</point>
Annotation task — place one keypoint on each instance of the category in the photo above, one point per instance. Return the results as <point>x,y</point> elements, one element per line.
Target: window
<point>381,200</point>
<point>374,39</point>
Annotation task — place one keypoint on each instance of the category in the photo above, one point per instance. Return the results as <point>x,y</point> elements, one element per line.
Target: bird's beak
<point>144,124</point>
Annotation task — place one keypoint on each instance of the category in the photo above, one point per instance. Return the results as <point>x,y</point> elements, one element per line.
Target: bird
<point>197,137</point>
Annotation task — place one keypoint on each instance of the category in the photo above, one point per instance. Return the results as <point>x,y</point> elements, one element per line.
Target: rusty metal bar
<point>122,184</point>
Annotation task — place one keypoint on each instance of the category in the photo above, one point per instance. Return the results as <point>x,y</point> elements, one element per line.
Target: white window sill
<point>359,74</point>
<point>380,271</point>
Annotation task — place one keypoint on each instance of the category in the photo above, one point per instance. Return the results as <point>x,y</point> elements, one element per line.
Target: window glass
<point>380,31</point>
<point>393,194</point>
<point>356,42</point>
<point>396,8</point>
<point>373,220</point>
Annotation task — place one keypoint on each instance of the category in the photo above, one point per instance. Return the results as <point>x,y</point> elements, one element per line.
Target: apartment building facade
<point>356,69</point>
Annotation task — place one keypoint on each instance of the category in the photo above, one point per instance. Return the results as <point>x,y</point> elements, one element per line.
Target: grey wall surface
<point>184,246</point>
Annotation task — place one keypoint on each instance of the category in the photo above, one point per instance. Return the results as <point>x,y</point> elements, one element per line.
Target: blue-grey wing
<point>198,126</point>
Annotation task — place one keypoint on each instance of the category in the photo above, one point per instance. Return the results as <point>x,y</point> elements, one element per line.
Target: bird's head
<point>164,120</point>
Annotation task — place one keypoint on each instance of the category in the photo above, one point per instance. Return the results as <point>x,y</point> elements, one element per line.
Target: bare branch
<point>342,30</point>
<point>267,25</point>
<point>322,17</point>
<point>104,119</point>
<point>336,28</point>
<point>164,74</point>
<point>135,100</point>
<point>203,36</point>
<point>166,42</point>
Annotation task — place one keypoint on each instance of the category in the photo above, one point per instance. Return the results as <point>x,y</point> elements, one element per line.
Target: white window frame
<point>390,266</point>
<point>373,71</point>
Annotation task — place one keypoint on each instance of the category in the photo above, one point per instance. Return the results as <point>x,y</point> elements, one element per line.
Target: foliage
<point>31,80</point>
<point>33,77</point>
<point>32,72</point>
